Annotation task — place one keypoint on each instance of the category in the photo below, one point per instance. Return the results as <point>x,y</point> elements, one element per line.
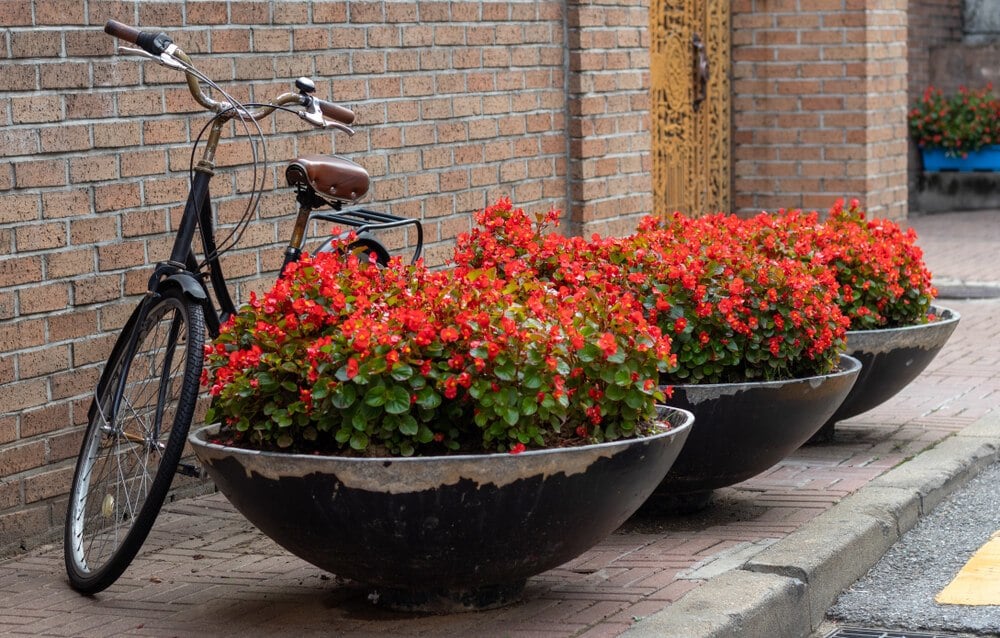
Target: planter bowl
<point>746,428</point>
<point>890,358</point>
<point>444,533</point>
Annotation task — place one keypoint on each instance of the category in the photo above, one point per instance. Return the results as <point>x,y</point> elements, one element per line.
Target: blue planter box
<point>985,159</point>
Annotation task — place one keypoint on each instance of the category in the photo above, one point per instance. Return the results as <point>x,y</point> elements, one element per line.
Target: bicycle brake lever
<point>165,58</point>
<point>315,117</point>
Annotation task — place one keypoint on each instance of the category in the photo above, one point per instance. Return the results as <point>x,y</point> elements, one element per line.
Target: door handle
<point>700,71</point>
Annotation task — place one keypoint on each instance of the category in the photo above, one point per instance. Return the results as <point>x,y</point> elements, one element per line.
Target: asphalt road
<point>898,593</point>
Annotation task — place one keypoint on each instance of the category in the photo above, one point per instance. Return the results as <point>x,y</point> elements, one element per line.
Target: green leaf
<point>510,397</point>
<point>376,396</point>
<point>506,371</point>
<point>529,406</point>
<point>635,399</point>
<point>359,440</point>
<point>397,400</point>
<point>589,353</point>
<point>428,398</point>
<point>344,396</point>
<point>533,381</point>
<point>511,415</point>
<point>359,420</point>
<point>408,425</point>
<point>402,371</point>
<point>623,377</point>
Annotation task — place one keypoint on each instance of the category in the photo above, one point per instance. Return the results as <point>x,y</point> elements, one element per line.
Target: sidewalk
<point>764,560</point>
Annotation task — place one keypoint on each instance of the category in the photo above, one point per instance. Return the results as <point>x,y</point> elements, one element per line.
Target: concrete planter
<point>891,359</point>
<point>744,429</point>
<point>448,533</point>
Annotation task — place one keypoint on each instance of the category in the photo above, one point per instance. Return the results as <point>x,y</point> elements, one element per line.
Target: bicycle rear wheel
<point>364,247</point>
<point>139,420</point>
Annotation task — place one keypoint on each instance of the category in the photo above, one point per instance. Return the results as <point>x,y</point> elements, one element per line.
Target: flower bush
<point>536,339</point>
<point>958,123</point>
<point>882,280</point>
<point>341,355</point>
<point>733,314</point>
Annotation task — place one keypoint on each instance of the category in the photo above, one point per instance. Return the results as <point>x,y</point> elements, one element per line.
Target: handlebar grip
<point>122,31</point>
<point>336,112</point>
<point>152,43</point>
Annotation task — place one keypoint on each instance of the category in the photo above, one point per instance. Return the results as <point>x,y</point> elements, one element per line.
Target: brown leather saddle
<point>333,179</point>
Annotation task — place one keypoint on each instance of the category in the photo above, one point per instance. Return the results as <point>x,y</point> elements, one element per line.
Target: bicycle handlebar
<point>151,43</point>
<point>158,44</point>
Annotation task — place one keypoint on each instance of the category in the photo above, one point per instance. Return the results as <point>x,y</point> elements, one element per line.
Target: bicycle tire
<point>364,247</point>
<point>138,425</point>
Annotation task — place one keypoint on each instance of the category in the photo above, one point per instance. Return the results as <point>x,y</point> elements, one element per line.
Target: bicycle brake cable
<point>241,110</point>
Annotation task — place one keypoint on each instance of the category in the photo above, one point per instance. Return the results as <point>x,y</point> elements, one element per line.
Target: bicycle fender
<point>188,285</point>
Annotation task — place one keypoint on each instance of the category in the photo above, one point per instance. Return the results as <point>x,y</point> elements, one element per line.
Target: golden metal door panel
<point>690,110</point>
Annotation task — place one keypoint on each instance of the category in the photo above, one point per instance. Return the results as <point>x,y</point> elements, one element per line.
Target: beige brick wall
<point>458,103</point>
<point>608,107</point>
<point>819,104</point>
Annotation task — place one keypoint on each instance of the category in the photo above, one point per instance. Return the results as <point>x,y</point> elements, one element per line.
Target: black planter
<point>890,359</point>
<point>444,533</point>
<point>745,428</point>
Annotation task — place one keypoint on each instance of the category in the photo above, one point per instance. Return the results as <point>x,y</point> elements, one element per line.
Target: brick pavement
<point>206,571</point>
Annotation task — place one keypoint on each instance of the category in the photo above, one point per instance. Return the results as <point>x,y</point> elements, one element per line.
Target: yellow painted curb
<point>978,582</point>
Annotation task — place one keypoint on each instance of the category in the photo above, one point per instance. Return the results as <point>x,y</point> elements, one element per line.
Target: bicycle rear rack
<point>364,220</point>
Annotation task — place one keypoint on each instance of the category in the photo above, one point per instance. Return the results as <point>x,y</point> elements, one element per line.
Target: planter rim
<point>952,316</point>
<point>848,365</point>
<point>198,437</point>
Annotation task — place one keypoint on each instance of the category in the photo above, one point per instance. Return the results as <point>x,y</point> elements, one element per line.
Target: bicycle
<point>146,397</point>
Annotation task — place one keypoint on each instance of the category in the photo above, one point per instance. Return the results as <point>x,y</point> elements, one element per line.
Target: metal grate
<point>859,632</point>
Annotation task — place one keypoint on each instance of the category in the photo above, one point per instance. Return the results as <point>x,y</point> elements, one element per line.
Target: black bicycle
<point>149,390</point>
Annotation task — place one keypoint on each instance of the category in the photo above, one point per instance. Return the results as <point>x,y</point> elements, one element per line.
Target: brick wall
<point>608,110</point>
<point>819,104</point>
<point>457,103</point>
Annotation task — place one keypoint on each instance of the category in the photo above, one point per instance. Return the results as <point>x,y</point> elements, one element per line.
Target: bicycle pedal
<point>189,469</point>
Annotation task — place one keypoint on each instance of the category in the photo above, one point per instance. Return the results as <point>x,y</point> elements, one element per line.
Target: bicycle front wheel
<point>138,424</point>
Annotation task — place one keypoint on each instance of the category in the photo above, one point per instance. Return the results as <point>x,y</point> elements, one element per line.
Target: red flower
<point>352,368</point>
<point>608,344</point>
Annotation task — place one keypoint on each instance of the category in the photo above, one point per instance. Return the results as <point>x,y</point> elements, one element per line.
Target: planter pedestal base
<point>448,601</point>
<point>685,503</point>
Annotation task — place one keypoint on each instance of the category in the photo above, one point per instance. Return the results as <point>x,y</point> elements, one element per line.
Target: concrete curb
<point>785,590</point>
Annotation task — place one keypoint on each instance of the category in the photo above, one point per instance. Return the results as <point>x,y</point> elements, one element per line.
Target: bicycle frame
<point>152,379</point>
